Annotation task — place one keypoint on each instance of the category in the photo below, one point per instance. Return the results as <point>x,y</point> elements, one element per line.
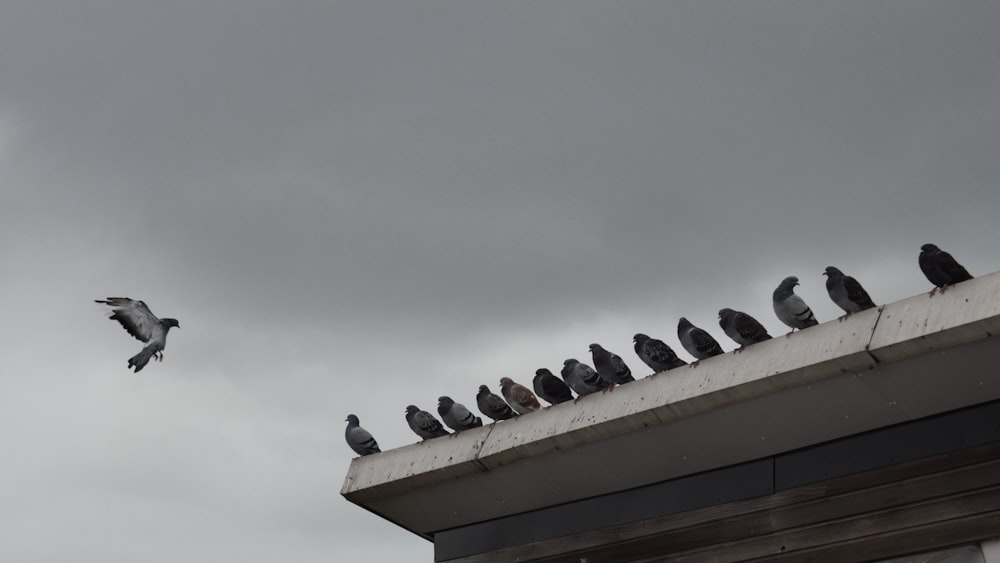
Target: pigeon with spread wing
<point>141,323</point>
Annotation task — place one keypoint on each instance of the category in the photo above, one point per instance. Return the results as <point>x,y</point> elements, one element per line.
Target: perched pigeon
<point>359,439</point>
<point>790,308</point>
<point>424,424</point>
<point>940,268</point>
<point>520,398</point>
<point>656,354</point>
<point>581,378</point>
<point>846,292</point>
<point>550,387</point>
<point>696,341</point>
<point>742,328</point>
<point>492,405</point>
<point>610,366</point>
<point>141,323</point>
<point>456,416</point>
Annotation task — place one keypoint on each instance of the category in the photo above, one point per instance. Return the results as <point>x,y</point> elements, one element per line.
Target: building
<point>871,438</point>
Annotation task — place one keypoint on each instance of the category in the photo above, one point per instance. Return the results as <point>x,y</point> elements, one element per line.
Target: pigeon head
<point>639,338</point>
<point>411,410</point>
<point>684,323</point>
<point>570,362</point>
<point>542,371</point>
<point>506,382</point>
<point>832,272</point>
<point>595,347</point>
<point>790,281</point>
<point>484,389</point>
<point>726,312</point>
<point>171,322</point>
<point>930,248</point>
<point>353,419</point>
<point>445,400</point>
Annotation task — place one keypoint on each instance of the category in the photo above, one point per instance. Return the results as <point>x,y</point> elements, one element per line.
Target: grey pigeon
<point>656,354</point>
<point>610,366</point>
<point>518,396</point>
<point>940,268</point>
<point>141,323</point>
<point>742,328</point>
<point>550,387</point>
<point>359,439</point>
<point>790,308</point>
<point>424,424</point>
<point>846,292</point>
<point>492,405</point>
<point>456,415</point>
<point>696,341</point>
<point>581,378</point>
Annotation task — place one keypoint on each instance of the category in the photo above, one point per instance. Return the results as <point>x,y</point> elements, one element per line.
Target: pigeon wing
<point>658,352</point>
<point>956,272</point>
<point>750,328</point>
<point>428,424</point>
<point>134,316</point>
<point>704,343</point>
<point>857,294</point>
<point>551,388</point>
<point>361,441</point>
<point>524,397</point>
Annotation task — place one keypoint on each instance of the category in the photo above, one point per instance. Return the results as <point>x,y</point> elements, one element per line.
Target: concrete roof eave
<point>906,360</point>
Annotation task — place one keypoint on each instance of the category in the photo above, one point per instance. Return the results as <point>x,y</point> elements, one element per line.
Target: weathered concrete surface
<point>906,360</point>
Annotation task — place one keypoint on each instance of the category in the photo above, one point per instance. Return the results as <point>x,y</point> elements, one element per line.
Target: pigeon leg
<point>789,333</point>
<point>695,363</point>
<point>933,291</point>
<point>944,288</point>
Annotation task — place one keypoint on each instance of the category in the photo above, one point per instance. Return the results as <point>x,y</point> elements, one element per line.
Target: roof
<point>903,361</point>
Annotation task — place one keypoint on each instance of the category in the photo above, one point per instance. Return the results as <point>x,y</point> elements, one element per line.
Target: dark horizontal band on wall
<point>939,434</point>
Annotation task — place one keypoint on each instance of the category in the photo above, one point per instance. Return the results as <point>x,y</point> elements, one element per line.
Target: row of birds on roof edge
<point>609,370</point>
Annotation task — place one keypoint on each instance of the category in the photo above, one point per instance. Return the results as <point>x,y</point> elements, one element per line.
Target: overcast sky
<point>352,207</point>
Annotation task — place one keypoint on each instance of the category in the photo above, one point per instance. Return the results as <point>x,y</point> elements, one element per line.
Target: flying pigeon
<point>742,328</point>
<point>520,398</point>
<point>581,378</point>
<point>696,341</point>
<point>790,308</point>
<point>141,323</point>
<point>940,268</point>
<point>456,416</point>
<point>846,292</point>
<point>550,387</point>
<point>656,354</point>
<point>492,405</point>
<point>359,439</point>
<point>424,424</point>
<point>610,366</point>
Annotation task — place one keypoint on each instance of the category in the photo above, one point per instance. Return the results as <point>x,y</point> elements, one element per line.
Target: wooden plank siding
<point>944,500</point>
